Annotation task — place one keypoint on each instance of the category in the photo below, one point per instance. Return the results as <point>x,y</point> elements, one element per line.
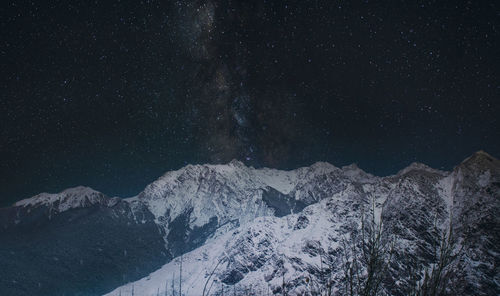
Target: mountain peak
<point>80,190</point>
<point>70,198</point>
<point>323,165</point>
<point>481,154</point>
<point>355,172</point>
<point>236,163</point>
<point>418,166</point>
<point>480,161</point>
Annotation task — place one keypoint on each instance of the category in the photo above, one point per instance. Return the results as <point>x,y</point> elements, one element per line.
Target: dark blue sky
<point>112,94</point>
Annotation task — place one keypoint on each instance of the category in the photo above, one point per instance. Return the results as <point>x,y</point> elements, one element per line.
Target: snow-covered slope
<point>217,198</point>
<point>261,229</point>
<point>71,198</point>
<point>262,251</point>
<point>256,255</point>
<point>93,242</point>
<point>204,186</point>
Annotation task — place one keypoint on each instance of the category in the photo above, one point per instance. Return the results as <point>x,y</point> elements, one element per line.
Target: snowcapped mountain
<point>198,200</point>
<point>72,198</point>
<point>77,242</point>
<point>263,249</point>
<point>261,230</point>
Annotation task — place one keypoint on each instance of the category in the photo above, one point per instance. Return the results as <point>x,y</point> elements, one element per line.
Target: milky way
<point>111,94</point>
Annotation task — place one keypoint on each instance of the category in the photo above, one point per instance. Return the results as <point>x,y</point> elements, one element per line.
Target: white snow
<point>228,191</point>
<point>416,166</point>
<point>278,232</point>
<point>68,199</point>
<point>446,186</point>
<point>484,179</point>
<point>327,218</point>
<point>247,228</point>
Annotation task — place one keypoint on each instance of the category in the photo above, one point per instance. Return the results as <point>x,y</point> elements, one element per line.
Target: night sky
<point>112,94</point>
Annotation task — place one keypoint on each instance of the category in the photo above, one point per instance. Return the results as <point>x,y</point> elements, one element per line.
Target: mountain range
<point>236,229</point>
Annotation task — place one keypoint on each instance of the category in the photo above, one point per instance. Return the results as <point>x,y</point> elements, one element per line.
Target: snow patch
<point>484,179</point>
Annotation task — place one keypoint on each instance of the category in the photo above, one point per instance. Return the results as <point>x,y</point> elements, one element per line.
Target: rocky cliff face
<point>262,230</point>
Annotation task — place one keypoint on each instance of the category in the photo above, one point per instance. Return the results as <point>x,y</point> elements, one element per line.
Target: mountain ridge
<point>306,211</point>
<point>236,163</point>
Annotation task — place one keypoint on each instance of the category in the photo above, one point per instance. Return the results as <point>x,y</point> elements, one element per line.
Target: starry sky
<point>112,94</point>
